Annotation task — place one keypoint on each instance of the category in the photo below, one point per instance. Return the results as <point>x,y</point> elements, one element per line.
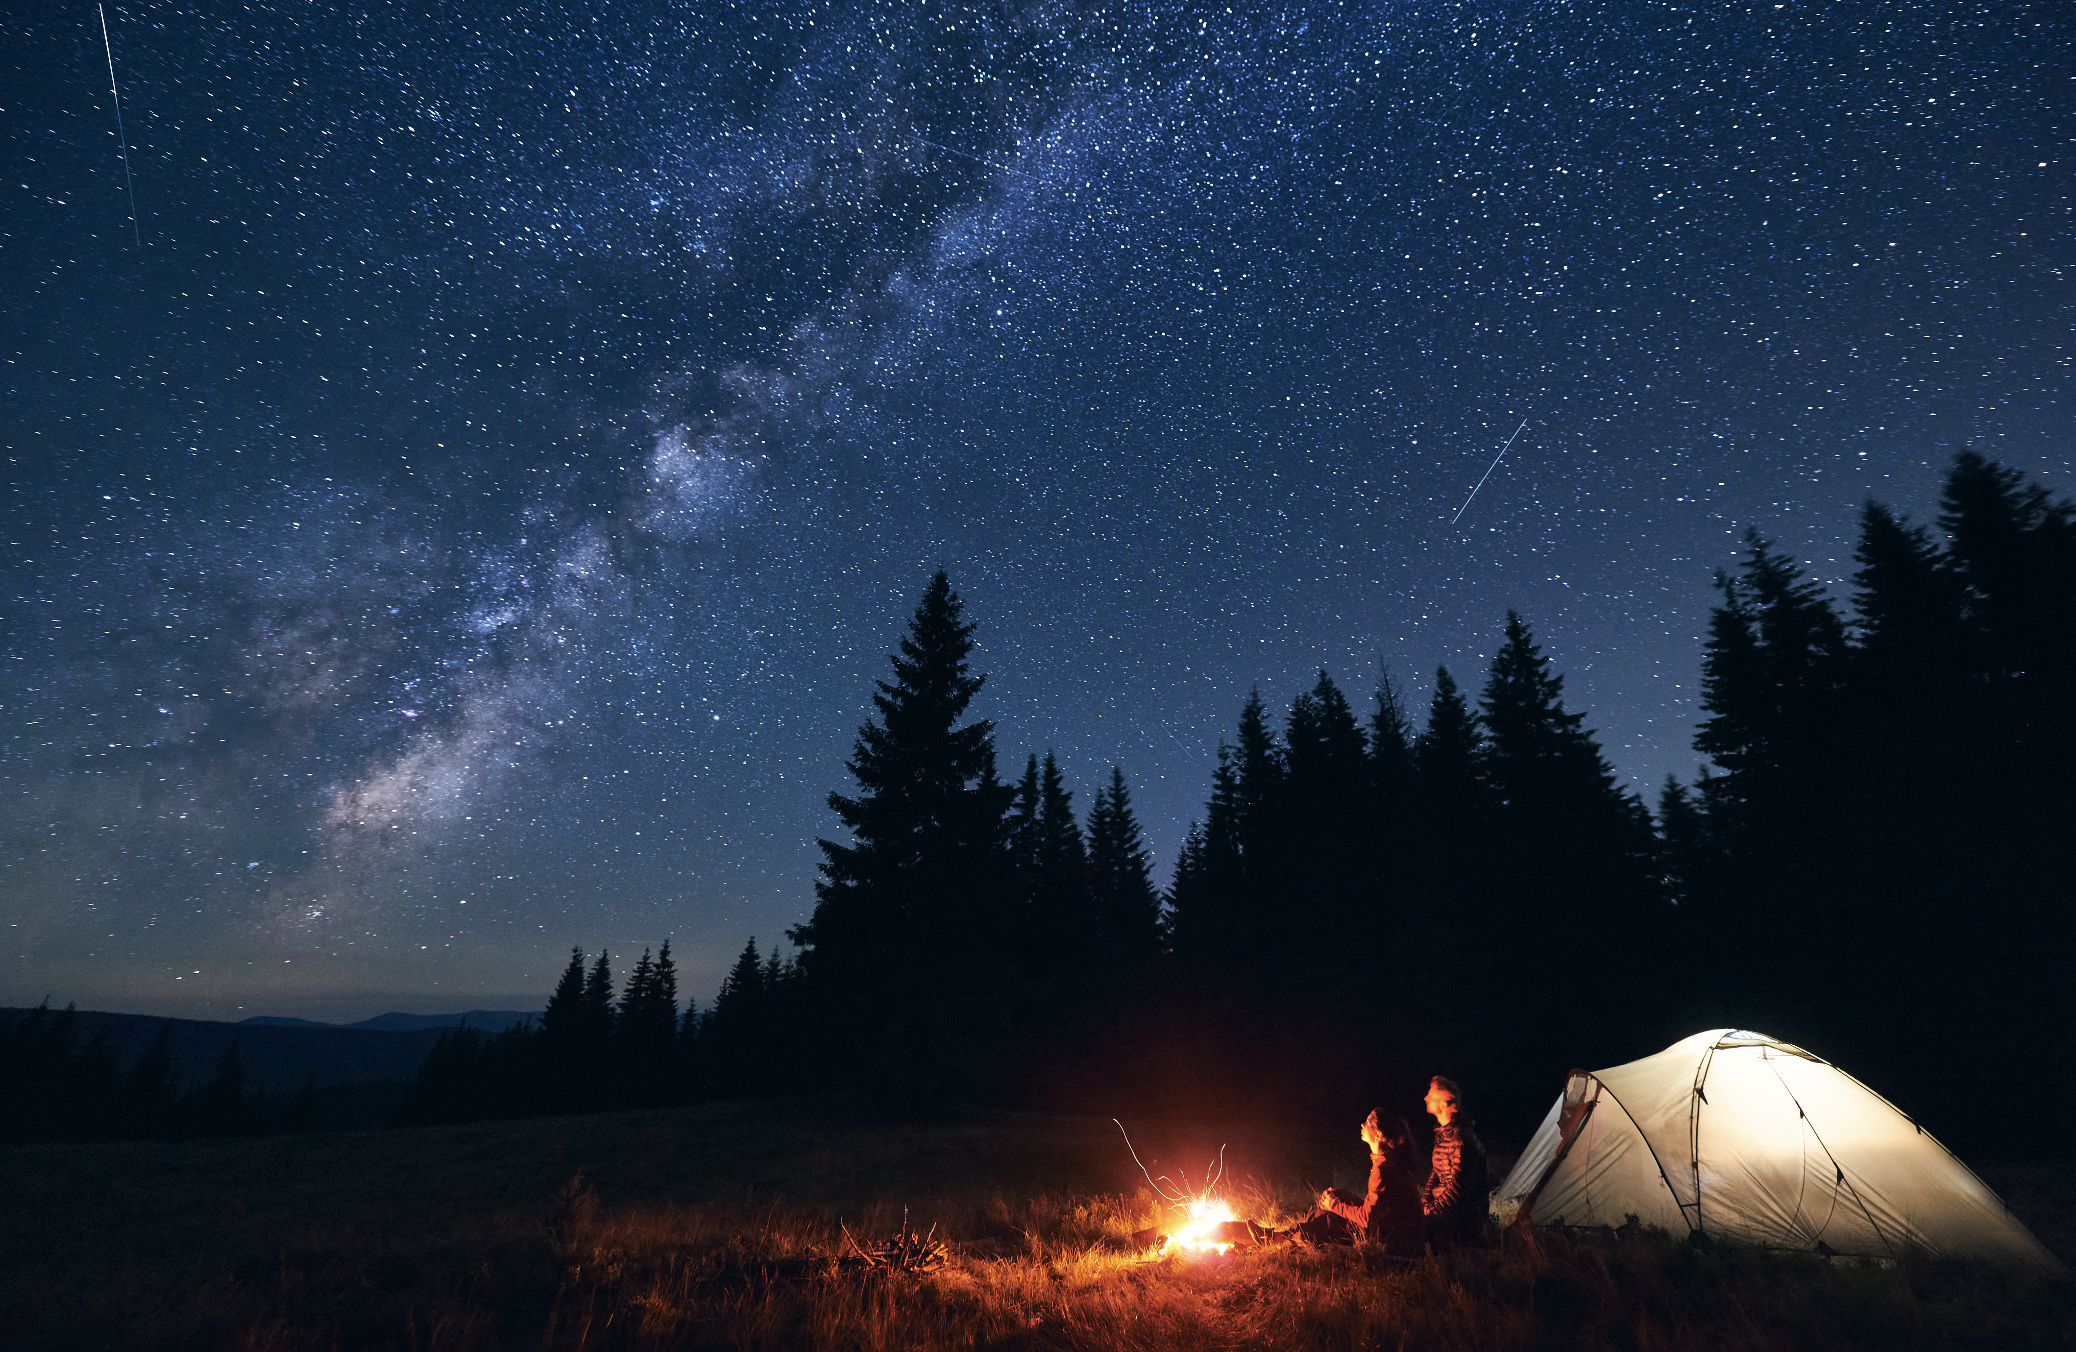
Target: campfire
<point>1211,1227</point>
<point>1208,1230</point>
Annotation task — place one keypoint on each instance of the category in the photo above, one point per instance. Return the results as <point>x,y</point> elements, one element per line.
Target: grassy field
<point>726,1226</point>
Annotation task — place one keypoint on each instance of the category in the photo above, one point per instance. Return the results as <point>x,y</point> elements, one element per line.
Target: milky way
<point>470,523</point>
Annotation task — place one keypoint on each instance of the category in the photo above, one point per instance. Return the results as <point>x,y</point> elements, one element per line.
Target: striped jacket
<point>1454,1198</point>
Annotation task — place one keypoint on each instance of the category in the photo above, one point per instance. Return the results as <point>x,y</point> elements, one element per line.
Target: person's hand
<point>1372,1134</point>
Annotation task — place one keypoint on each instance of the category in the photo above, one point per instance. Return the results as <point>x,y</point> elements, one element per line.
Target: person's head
<point>1387,1132</point>
<point>1444,1099</point>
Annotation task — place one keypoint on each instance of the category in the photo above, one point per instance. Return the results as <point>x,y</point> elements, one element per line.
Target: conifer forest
<point>1877,862</point>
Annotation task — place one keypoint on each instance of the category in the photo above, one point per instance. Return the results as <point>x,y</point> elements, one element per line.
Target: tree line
<point>1874,861</point>
<point>58,1087</point>
<point>593,1049</point>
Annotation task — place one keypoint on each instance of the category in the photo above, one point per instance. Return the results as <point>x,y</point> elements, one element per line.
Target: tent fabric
<point>1744,1137</point>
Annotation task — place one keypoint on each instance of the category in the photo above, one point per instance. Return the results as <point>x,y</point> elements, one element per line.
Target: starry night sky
<point>466,517</point>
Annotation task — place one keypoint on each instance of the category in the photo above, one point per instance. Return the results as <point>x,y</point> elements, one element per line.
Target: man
<point>1454,1199</point>
<point>1389,1213</point>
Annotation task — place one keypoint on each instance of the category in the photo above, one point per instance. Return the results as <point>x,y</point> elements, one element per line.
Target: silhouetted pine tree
<point>2010,555</point>
<point>734,1034</point>
<point>690,1053</point>
<point>648,1027</point>
<point>563,1019</point>
<point>1062,857</point>
<point>1895,797</point>
<point>1257,799</point>
<point>1023,824</point>
<point>1912,737</point>
<point>2012,558</point>
<point>1328,888</point>
<point>1392,773</point>
<point>1453,802</point>
<point>912,918</point>
<point>1687,858</point>
<point>1772,686</point>
<point>1450,865</point>
<point>1550,783</point>
<point>1906,600</point>
<point>1125,906</point>
<point>567,1044</point>
<point>1770,682</point>
<point>1207,920</point>
<point>1573,861</point>
<point>599,1007</point>
<point>1061,921</point>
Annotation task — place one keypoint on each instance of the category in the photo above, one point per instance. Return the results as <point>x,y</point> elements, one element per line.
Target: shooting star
<point>1488,470</point>
<point>109,48</point>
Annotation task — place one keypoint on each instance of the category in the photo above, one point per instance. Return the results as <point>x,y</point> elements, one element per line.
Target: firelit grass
<point>775,1226</point>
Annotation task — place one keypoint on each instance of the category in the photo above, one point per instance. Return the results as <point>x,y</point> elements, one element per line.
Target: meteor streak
<point>109,48</point>
<point>1488,470</point>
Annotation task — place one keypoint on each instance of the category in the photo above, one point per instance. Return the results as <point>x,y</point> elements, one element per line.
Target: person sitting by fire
<point>1389,1211</point>
<point>1454,1199</point>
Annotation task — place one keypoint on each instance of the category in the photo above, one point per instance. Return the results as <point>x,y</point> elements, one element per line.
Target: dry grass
<point>1067,1276</point>
<point>734,1226</point>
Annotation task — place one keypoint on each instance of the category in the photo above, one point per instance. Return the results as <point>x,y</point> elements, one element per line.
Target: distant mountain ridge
<point>482,1020</point>
<point>278,1056</point>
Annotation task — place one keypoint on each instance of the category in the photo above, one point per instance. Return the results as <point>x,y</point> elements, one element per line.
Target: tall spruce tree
<point>1452,797</point>
<point>1188,905</point>
<point>2009,555</point>
<point>563,1019</point>
<point>1390,746</point>
<point>1329,876</point>
<point>1258,793</point>
<point>568,1050</point>
<point>735,1035</point>
<point>647,1028</point>
<point>599,1006</point>
<point>1770,680</point>
<point>1060,856</point>
<point>1023,823</point>
<point>1576,849</point>
<point>1894,795</point>
<point>1125,906</point>
<point>1907,603</point>
<point>1060,922</point>
<point>1912,729</point>
<point>1773,675</point>
<point>914,913</point>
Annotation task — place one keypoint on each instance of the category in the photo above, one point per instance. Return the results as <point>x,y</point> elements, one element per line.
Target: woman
<point>1389,1211</point>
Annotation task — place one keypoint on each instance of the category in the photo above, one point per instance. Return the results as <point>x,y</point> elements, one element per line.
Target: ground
<point>737,1225</point>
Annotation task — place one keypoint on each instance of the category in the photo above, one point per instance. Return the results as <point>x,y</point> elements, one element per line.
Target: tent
<point>1740,1136</point>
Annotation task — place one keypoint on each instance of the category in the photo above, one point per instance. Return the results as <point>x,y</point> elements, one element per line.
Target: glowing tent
<point>1740,1136</point>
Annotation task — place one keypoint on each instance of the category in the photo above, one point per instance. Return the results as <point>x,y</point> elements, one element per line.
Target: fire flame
<point>1205,1215</point>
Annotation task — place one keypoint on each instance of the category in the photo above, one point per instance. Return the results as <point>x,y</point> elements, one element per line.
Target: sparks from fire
<point>1206,1213</point>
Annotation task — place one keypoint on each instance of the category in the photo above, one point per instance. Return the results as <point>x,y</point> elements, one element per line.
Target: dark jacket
<point>1454,1199</point>
<point>1389,1214</point>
